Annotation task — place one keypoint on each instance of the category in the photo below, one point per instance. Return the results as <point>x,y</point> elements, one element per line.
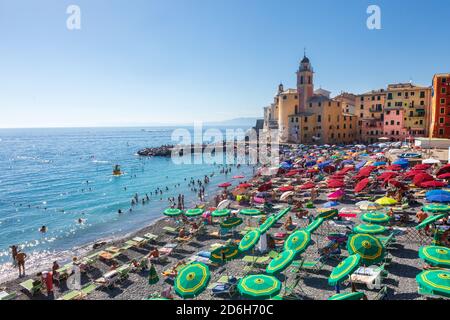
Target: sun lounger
<point>308,266</point>
<point>369,276</point>
<point>170,230</point>
<point>124,271</point>
<point>32,286</point>
<point>108,279</point>
<point>7,296</point>
<point>71,295</point>
<point>150,237</point>
<point>107,256</point>
<point>225,287</point>
<point>64,272</point>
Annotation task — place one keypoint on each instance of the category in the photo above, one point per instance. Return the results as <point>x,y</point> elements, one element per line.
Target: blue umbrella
<point>324,164</point>
<point>347,162</point>
<point>330,204</point>
<point>360,164</point>
<point>310,163</point>
<point>439,198</point>
<point>402,162</point>
<point>437,192</point>
<point>379,163</point>
<point>286,165</point>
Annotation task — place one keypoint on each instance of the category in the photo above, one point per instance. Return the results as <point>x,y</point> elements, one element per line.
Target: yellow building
<point>416,103</point>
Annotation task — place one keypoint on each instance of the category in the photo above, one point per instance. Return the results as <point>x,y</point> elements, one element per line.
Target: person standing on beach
<point>20,258</point>
<point>14,255</point>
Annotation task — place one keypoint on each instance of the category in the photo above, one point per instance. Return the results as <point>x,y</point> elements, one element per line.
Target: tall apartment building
<point>440,107</point>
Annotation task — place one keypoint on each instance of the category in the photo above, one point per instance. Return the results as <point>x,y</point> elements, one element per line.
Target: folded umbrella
<point>361,185</point>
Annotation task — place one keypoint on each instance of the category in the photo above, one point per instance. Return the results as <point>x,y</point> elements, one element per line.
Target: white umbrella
<point>223,204</point>
<point>430,161</point>
<point>286,195</point>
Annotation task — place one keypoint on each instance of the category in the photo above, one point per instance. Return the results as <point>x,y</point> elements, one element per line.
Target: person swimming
<point>43,229</point>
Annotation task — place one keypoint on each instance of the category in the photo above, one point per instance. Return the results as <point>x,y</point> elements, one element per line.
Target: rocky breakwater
<point>161,151</point>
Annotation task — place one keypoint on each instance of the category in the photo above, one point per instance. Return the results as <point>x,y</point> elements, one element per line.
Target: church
<point>308,116</point>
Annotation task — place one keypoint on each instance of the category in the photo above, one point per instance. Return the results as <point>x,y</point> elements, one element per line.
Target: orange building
<point>440,107</point>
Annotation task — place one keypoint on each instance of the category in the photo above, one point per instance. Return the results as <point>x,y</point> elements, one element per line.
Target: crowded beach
<point>350,222</point>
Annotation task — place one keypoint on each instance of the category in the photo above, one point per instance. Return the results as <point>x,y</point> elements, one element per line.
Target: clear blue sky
<point>147,61</point>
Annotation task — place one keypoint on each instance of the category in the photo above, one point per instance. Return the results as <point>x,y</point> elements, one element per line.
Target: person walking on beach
<point>20,258</point>
<point>14,255</point>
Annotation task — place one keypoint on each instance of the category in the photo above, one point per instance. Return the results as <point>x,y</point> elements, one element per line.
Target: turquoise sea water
<point>43,182</point>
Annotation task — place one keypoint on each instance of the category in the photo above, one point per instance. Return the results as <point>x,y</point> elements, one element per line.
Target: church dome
<point>305,60</point>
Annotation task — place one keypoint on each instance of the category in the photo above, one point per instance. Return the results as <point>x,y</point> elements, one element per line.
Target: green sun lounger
<point>170,230</point>
<point>7,296</point>
<point>150,236</point>
<point>71,295</point>
<point>32,286</point>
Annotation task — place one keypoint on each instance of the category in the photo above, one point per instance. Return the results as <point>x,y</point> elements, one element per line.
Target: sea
<point>54,177</point>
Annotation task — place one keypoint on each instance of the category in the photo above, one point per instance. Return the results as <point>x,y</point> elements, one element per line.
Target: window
<point>301,80</point>
<point>422,94</point>
<point>306,119</point>
<point>442,110</point>
<point>296,109</point>
<point>399,94</point>
<point>389,104</point>
<point>362,98</point>
<point>397,112</point>
<point>441,120</point>
<point>443,101</point>
<point>441,132</point>
<point>392,122</point>
<point>389,96</point>
<point>309,80</point>
<point>422,103</point>
<point>373,98</point>
<point>284,97</point>
<point>411,113</point>
<point>443,90</point>
<point>444,80</point>
<point>319,118</point>
<point>379,98</point>
<point>412,94</point>
<point>398,123</point>
<point>361,115</point>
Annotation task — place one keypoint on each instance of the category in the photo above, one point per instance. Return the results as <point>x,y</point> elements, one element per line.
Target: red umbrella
<point>286,188</point>
<point>367,169</point>
<point>245,185</point>
<point>308,185</point>
<point>444,176</point>
<point>224,185</point>
<point>411,174</point>
<point>335,184</point>
<point>433,184</point>
<point>387,175</point>
<point>394,167</point>
<point>396,184</point>
<point>422,177</point>
<point>329,169</point>
<point>312,170</point>
<point>238,177</point>
<point>421,167</point>
<point>265,187</point>
<point>360,186</point>
<point>444,169</point>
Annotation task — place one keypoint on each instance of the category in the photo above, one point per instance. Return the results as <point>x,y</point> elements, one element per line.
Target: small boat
<point>117,171</point>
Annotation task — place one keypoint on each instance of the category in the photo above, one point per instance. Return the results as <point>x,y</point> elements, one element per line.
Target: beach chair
<point>290,292</point>
<point>108,279</point>
<point>150,237</point>
<point>123,272</point>
<point>310,266</point>
<point>64,272</point>
<point>170,230</point>
<point>382,294</point>
<point>32,286</point>
<point>225,286</point>
<point>7,296</point>
<point>88,261</point>
<point>71,295</point>
<point>79,294</point>
<point>370,276</point>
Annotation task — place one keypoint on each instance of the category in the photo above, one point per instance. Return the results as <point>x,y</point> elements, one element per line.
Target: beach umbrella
<point>194,212</point>
<point>172,212</point>
<point>360,164</point>
<point>308,185</point>
<point>336,194</point>
<point>238,177</point>
<point>331,204</point>
<point>379,163</point>
<point>369,229</point>
<point>368,205</point>
<point>221,213</point>
<point>327,213</point>
<point>436,208</point>
<point>436,256</point>
<point>270,221</point>
<point>344,269</point>
<point>394,167</point>
<point>397,184</point>
<point>249,240</point>
<point>224,185</point>
<point>435,282</point>
<point>223,204</point>
<point>281,262</point>
<point>265,187</point>
<point>430,220</point>
<point>231,223</point>
<point>192,280</point>
<point>286,188</point>
<point>368,247</point>
<point>347,296</point>
<point>313,226</point>
<point>152,275</point>
<point>443,169</point>
<point>422,177</point>
<point>386,201</point>
<point>375,217</point>
<point>387,175</point>
<point>335,184</point>
<point>437,192</point>
<point>259,286</point>
<point>431,161</point>
<point>421,167</point>
<point>361,185</point>
<point>439,198</point>
<point>444,176</point>
<point>433,184</point>
<point>250,212</point>
<point>259,200</point>
<point>286,195</point>
<point>298,241</point>
<point>245,185</point>
<point>224,253</point>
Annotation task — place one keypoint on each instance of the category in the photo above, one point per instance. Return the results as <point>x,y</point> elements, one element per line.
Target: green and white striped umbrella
<point>152,275</point>
<point>270,221</point>
<point>313,226</point>
<point>344,269</point>
<point>249,240</point>
<point>435,282</point>
<point>194,212</point>
<point>436,208</point>
<point>281,262</point>
<point>224,253</point>
<point>430,220</point>
<point>368,247</point>
<point>347,296</point>
<point>259,286</point>
<point>221,213</point>
<point>172,212</point>
<point>369,229</point>
<point>298,241</point>
<point>231,223</point>
<point>250,212</point>
<point>327,213</point>
<point>436,256</point>
<point>192,280</point>
<point>375,217</point>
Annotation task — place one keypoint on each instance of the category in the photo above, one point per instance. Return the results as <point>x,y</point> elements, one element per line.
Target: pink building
<point>371,130</point>
<point>393,127</point>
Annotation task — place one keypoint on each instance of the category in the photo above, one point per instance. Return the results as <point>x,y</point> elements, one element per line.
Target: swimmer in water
<point>43,229</point>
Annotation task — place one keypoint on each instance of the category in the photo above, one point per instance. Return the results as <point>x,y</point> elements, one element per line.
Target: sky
<point>177,61</point>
